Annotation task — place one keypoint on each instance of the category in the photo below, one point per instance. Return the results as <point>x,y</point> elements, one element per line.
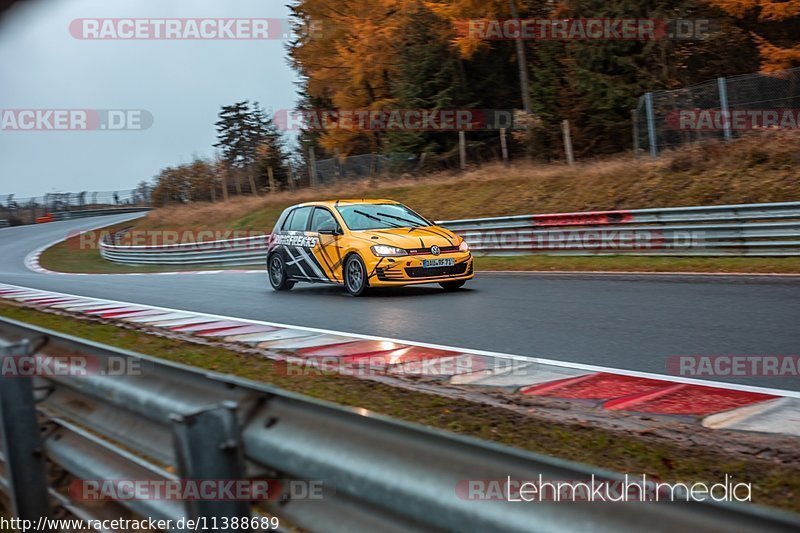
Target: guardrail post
<point>208,447</point>
<point>21,440</point>
<point>651,125</point>
<point>723,107</point>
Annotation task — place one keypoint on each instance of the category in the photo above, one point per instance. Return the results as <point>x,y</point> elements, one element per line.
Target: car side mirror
<point>330,229</point>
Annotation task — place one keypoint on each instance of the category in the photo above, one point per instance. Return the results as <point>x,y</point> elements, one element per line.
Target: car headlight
<point>381,250</point>
<point>463,247</point>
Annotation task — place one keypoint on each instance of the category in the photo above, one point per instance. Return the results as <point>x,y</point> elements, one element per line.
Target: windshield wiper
<point>414,223</point>
<point>373,217</point>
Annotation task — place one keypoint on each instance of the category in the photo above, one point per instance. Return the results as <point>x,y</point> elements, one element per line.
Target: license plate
<point>433,263</point>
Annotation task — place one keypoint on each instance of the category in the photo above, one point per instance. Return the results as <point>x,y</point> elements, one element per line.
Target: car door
<point>296,244</point>
<point>327,231</point>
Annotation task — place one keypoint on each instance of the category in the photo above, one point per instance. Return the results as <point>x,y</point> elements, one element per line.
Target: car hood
<point>410,238</point>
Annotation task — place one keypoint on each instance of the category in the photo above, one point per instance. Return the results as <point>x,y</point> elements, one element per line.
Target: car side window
<point>299,220</point>
<point>288,221</point>
<point>322,218</point>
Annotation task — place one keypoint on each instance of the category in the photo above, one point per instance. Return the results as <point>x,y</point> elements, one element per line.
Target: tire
<point>450,286</point>
<point>355,276</point>
<point>276,271</point>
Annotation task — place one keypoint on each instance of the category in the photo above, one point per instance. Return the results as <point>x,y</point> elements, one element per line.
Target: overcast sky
<point>181,83</point>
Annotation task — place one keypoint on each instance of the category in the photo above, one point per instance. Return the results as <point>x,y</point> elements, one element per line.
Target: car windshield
<point>360,217</point>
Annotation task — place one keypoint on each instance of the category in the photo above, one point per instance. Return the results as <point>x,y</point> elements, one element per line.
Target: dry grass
<point>760,168</point>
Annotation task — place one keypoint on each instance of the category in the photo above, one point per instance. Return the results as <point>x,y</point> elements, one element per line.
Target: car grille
<point>427,251</point>
<point>436,272</point>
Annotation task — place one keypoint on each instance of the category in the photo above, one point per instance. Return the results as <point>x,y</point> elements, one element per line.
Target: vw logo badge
<point>435,250</point>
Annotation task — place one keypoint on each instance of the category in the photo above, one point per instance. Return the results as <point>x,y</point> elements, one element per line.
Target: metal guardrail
<point>172,422</point>
<point>68,215</point>
<point>739,230</point>
<point>241,251</point>
<point>4,223</point>
<point>736,230</point>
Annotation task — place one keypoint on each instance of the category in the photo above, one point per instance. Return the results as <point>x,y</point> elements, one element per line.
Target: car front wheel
<point>355,276</point>
<point>277,274</point>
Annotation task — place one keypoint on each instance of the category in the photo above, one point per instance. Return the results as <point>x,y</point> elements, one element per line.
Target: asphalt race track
<point>622,321</point>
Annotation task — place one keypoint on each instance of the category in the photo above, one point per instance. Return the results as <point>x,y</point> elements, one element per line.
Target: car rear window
<point>297,219</point>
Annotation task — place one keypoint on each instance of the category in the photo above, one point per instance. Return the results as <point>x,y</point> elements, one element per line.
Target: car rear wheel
<point>277,274</point>
<point>355,276</point>
<point>452,285</point>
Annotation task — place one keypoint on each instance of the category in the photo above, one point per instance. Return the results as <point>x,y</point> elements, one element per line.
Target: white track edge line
<point>643,273</point>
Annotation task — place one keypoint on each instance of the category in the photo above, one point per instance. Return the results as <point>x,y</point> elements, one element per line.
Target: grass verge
<point>757,168</point>
<point>774,483</point>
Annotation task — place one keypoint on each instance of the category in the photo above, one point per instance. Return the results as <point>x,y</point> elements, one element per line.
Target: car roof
<point>349,201</point>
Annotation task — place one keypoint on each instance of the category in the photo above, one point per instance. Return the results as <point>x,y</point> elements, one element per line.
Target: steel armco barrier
<point>242,251</point>
<point>68,215</point>
<point>172,422</point>
<point>744,230</point>
<point>732,230</point>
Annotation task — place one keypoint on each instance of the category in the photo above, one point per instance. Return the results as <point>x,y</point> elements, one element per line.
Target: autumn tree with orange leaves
<point>400,54</point>
<point>775,26</point>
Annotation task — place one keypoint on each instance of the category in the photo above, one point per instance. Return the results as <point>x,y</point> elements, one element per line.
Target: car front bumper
<point>408,270</point>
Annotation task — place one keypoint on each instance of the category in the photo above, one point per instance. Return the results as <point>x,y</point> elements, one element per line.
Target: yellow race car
<point>362,244</point>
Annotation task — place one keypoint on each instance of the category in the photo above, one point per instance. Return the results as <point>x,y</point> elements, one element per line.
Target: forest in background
<point>414,54</point>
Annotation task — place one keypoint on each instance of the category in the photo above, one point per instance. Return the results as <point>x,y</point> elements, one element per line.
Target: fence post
<point>635,121</point>
<point>21,441</point>
<point>503,145</point>
<point>208,447</point>
<point>651,124</point>
<point>271,174</point>
<point>421,162</point>
<point>723,106</point>
<point>312,167</point>
<point>290,176</point>
<point>567,142</point>
<point>462,149</point>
